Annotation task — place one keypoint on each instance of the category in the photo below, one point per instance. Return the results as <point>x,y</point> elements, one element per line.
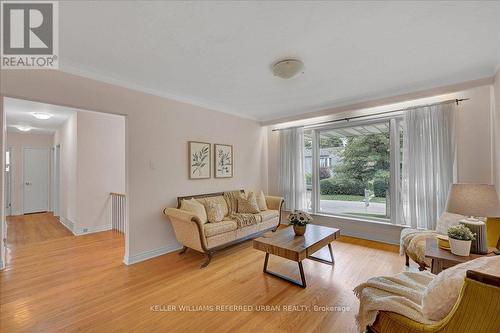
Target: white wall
<point>17,142</point>
<point>475,137</point>
<point>496,128</point>
<point>101,167</point>
<point>156,151</point>
<point>92,166</point>
<point>66,137</point>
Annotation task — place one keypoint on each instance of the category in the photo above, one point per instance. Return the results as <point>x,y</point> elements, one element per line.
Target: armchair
<point>477,310</point>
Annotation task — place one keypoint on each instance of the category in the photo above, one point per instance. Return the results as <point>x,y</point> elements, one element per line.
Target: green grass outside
<point>343,197</point>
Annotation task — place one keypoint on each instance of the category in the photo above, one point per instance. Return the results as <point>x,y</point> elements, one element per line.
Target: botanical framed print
<point>199,160</point>
<point>223,161</point>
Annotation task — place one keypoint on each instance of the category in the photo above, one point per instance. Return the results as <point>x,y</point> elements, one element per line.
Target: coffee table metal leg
<point>265,262</point>
<point>332,262</point>
<point>302,283</point>
<point>302,275</point>
<point>331,253</point>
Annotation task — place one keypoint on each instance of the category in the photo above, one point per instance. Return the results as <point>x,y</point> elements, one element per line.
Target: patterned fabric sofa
<point>209,237</point>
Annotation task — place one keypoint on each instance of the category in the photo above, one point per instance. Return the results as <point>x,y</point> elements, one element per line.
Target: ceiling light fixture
<point>42,115</point>
<point>287,68</point>
<point>23,128</point>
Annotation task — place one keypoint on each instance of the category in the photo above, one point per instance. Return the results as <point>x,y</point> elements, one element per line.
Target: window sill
<point>357,219</point>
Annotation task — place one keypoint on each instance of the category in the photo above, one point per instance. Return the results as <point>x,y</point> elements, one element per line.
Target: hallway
<point>46,268</point>
<point>33,228</point>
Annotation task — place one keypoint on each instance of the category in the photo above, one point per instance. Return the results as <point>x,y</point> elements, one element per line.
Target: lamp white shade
<point>472,199</point>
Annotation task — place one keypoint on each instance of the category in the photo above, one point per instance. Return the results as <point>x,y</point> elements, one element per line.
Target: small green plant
<point>461,232</point>
<point>300,218</point>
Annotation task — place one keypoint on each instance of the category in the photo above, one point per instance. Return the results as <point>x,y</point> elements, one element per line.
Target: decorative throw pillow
<point>442,293</point>
<point>193,206</point>
<point>261,201</point>
<point>218,199</point>
<point>215,213</point>
<point>446,220</point>
<point>248,205</point>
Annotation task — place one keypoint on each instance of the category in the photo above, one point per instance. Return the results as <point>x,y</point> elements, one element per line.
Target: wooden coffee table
<point>285,244</point>
<point>442,259</point>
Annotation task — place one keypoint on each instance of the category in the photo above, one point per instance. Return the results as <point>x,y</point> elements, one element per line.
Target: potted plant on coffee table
<point>299,219</point>
<point>460,238</point>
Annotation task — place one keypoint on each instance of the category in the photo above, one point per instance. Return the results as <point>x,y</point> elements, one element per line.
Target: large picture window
<point>348,169</point>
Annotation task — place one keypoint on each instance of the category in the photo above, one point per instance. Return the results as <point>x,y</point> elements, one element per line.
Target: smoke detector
<point>287,68</point>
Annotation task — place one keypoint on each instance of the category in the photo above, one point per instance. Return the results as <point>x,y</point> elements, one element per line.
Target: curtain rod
<point>347,119</point>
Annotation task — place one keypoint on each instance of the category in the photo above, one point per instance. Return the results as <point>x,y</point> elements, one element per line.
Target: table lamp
<point>473,200</point>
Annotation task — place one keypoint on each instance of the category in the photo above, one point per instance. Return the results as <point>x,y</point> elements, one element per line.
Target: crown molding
<point>74,69</point>
<point>385,101</point>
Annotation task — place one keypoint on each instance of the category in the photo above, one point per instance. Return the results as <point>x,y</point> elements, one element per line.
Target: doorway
<point>36,177</point>
<point>56,180</point>
<point>48,157</point>
<point>8,181</point>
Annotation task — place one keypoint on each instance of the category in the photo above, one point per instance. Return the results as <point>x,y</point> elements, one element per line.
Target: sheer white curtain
<point>428,159</point>
<point>291,177</point>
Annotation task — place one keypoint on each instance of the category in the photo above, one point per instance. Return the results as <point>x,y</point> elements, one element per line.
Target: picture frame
<point>199,160</point>
<point>223,161</point>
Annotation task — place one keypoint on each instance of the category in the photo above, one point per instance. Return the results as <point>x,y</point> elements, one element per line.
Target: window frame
<point>394,121</point>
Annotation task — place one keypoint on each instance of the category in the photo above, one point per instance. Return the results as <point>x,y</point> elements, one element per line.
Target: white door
<point>35,180</point>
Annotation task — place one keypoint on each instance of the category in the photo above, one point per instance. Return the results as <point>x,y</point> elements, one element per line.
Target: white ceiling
<point>19,112</point>
<point>218,54</point>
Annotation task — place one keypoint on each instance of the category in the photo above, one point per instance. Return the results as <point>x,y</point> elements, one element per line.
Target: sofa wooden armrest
<point>477,310</point>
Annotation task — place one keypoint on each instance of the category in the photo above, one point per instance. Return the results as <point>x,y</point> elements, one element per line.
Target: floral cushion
<point>214,229</point>
<point>215,212</point>
<point>248,205</point>
<point>218,199</point>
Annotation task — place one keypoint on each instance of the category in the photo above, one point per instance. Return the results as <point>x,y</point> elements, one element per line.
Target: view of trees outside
<point>354,171</point>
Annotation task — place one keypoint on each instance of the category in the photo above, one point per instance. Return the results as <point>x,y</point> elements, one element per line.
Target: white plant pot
<point>460,247</point>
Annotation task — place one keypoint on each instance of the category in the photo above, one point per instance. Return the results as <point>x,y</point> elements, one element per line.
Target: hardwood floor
<point>68,284</point>
<point>33,228</point>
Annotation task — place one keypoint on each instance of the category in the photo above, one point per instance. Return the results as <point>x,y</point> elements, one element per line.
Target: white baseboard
<point>67,223</point>
<point>70,225</point>
<point>85,231</point>
<point>130,260</point>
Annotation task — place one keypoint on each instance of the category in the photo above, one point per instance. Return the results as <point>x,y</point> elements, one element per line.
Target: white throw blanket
<point>401,294</point>
<point>414,241</point>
